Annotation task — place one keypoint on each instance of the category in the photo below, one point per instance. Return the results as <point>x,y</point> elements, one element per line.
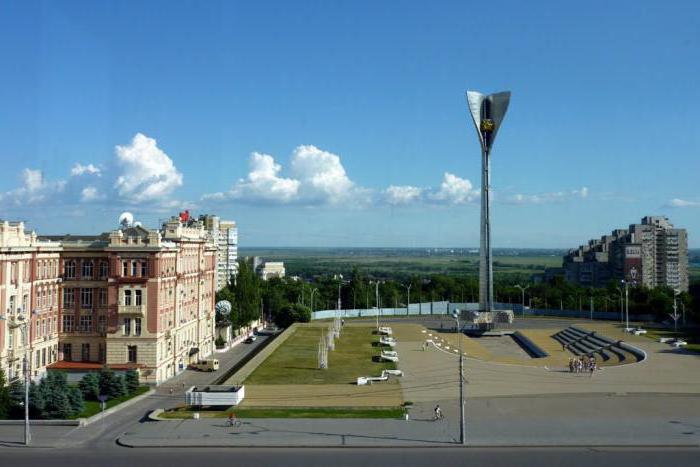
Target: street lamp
<point>408,295</point>
<point>627,304</point>
<point>376,283</point>
<point>313,291</point>
<point>340,283</point>
<point>522,291</point>
<point>462,437</point>
<point>22,323</point>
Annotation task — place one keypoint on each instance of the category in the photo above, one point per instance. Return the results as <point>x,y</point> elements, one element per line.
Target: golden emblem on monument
<point>487,125</point>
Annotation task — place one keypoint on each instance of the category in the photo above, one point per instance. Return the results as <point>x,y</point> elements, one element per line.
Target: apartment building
<point>137,298</point>
<point>652,253</point>
<point>225,236</point>
<point>30,282</point>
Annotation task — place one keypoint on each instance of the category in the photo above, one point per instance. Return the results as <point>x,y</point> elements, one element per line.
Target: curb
<point>116,408</point>
<point>122,443</point>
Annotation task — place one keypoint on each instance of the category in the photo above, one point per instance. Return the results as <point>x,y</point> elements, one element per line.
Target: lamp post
<point>22,323</point>
<point>313,292</point>
<point>340,283</point>
<point>627,304</point>
<point>462,437</point>
<point>408,295</point>
<point>376,284</point>
<point>522,291</point>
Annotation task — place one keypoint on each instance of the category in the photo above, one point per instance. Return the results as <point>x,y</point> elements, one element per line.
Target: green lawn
<point>93,407</point>
<point>296,361</point>
<point>693,340</point>
<point>297,412</point>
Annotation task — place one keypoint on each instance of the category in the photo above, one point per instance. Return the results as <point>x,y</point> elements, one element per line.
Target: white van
<point>206,365</point>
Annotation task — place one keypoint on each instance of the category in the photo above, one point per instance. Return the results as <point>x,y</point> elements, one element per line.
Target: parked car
<point>639,331</point>
<point>251,339</point>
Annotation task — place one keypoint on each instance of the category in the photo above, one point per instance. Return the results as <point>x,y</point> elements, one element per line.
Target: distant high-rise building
<point>652,253</point>
<point>225,236</point>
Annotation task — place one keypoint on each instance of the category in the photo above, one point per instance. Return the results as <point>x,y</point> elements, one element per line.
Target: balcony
<point>132,310</point>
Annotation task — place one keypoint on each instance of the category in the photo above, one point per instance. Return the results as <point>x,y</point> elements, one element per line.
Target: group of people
<point>582,364</point>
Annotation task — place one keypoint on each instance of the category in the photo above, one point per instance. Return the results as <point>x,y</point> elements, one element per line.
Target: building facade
<point>225,236</point>
<point>652,253</point>
<point>136,298</point>
<point>30,287</point>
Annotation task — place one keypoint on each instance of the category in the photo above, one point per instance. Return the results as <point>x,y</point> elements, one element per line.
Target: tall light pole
<point>313,292</point>
<point>621,307</point>
<point>627,304</point>
<point>340,283</point>
<point>408,295</point>
<point>462,437</point>
<point>376,283</point>
<point>22,323</point>
<point>487,113</point>
<point>522,291</point>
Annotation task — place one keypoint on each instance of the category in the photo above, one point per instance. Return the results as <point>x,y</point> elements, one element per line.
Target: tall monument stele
<point>488,113</point>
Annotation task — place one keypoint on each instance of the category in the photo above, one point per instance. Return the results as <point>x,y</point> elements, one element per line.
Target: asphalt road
<point>339,457</point>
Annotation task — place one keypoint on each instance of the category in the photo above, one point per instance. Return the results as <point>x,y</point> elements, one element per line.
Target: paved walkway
<point>564,420</point>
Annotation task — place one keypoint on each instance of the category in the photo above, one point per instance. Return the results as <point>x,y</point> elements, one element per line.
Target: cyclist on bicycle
<point>231,419</point>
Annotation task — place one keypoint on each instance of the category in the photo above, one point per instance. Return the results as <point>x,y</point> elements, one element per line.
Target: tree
<point>90,386</point>
<point>132,381</point>
<point>111,385</point>
<point>75,398</point>
<point>5,400</point>
<point>292,313</point>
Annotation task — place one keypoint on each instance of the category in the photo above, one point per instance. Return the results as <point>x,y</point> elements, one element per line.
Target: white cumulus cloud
<point>455,190</point>
<point>547,198</point>
<point>402,194</point>
<point>90,193</point>
<point>147,173</point>
<point>683,203</point>
<point>321,174</point>
<point>79,169</point>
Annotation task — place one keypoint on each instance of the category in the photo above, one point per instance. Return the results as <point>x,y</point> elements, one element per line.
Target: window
<point>125,268</point>
<point>127,326</point>
<point>46,270</point>
<point>87,270</point>
<point>67,352</point>
<point>37,359</point>
<point>103,296</point>
<point>102,323</point>
<point>67,323</point>
<point>68,298</point>
<point>132,353</point>
<point>86,323</point>
<point>12,304</point>
<point>134,268</point>
<point>43,357</point>
<point>69,269</point>
<point>85,352</point>
<point>137,297</point>
<point>104,269</point>
<point>127,297</point>
<point>86,298</point>
<point>137,326</point>
<point>144,268</point>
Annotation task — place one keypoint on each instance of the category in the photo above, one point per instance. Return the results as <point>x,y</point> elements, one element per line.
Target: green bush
<point>5,400</point>
<point>220,342</point>
<point>292,313</point>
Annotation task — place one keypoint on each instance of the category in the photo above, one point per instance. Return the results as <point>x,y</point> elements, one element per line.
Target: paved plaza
<point>652,403</point>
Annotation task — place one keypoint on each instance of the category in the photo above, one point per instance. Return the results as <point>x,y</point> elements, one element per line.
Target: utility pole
<point>522,291</point>
<point>408,295</point>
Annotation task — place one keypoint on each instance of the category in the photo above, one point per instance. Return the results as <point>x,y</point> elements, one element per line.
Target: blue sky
<point>345,123</point>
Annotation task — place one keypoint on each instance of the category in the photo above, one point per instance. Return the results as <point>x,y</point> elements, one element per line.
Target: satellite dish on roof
<point>223,308</point>
<point>126,219</point>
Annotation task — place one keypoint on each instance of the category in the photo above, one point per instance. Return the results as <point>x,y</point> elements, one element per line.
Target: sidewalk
<point>563,420</point>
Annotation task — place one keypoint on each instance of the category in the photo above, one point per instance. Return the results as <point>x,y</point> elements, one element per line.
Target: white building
<point>225,235</point>
<point>271,269</point>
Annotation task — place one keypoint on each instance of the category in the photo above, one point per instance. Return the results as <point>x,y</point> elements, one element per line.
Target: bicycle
<point>234,422</point>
